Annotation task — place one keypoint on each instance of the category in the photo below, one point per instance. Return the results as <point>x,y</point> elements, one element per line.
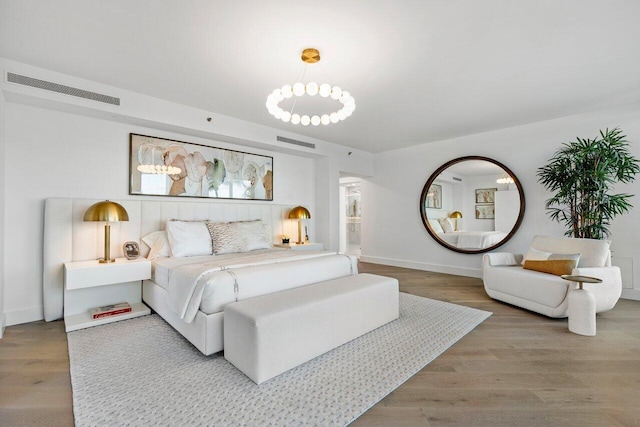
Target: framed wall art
<point>164,167</point>
<point>485,211</point>
<point>485,195</point>
<point>434,197</point>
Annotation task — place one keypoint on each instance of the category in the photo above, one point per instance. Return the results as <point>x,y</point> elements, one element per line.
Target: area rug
<point>141,372</point>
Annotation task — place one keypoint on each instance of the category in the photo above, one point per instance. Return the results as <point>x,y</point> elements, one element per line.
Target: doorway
<point>350,202</point>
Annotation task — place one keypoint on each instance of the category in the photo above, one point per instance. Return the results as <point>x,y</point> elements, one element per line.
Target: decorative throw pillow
<point>188,238</point>
<point>239,236</point>
<point>158,244</point>
<point>552,266</point>
<point>446,225</point>
<point>435,226</point>
<point>534,254</point>
<point>226,237</point>
<point>255,234</point>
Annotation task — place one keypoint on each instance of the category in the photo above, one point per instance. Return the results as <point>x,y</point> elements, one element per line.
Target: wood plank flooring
<point>515,369</point>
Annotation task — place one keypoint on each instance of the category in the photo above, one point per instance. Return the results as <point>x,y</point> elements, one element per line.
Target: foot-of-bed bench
<point>270,334</point>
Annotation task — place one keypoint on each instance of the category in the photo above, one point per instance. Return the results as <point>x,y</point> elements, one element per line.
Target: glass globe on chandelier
<point>298,89</point>
<point>151,161</point>
<point>505,179</point>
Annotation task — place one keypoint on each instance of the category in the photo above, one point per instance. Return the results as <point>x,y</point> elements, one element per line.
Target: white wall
<point>2,209</point>
<point>62,146</point>
<point>56,154</point>
<point>393,232</point>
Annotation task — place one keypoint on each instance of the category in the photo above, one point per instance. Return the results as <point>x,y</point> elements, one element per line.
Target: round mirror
<point>472,204</point>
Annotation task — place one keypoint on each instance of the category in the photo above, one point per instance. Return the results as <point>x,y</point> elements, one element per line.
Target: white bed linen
<point>209,284</point>
<point>160,267</point>
<point>479,239</point>
<point>472,239</point>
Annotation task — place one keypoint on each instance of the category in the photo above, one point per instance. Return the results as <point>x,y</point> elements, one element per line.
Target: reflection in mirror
<point>472,204</point>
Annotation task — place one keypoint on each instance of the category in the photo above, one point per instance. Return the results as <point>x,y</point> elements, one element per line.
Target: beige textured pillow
<point>226,238</point>
<point>557,267</point>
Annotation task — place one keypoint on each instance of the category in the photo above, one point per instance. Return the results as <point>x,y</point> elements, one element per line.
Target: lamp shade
<point>455,214</point>
<point>106,211</point>
<point>299,212</point>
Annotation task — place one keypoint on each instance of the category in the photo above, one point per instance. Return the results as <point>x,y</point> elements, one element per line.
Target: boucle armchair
<point>506,280</point>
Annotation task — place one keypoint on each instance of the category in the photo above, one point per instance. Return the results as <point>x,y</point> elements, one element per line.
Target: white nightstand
<point>89,284</point>
<point>303,247</point>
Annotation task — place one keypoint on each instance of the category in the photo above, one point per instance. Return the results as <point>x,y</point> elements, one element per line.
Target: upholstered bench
<point>270,334</point>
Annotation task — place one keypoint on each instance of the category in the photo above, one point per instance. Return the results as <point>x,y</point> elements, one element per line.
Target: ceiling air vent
<point>67,90</point>
<point>296,142</point>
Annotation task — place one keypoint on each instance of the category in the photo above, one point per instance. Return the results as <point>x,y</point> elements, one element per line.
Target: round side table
<point>582,306</point>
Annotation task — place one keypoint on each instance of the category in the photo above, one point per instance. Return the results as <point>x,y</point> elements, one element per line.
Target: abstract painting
<point>164,167</point>
<point>485,211</point>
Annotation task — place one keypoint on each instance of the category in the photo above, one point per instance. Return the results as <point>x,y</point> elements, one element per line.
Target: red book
<point>110,310</point>
<point>111,313</point>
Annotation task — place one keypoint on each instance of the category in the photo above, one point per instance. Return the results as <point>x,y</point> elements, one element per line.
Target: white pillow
<point>158,244</point>
<point>188,238</point>
<point>534,254</point>
<point>435,226</point>
<point>255,234</point>
<point>446,225</point>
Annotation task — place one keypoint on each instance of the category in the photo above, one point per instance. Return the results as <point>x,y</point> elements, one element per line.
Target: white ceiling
<point>420,70</point>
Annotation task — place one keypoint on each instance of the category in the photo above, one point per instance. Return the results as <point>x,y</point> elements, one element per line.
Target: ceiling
<point>419,70</point>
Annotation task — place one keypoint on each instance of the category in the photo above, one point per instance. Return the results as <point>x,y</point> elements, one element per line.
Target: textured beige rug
<point>141,372</point>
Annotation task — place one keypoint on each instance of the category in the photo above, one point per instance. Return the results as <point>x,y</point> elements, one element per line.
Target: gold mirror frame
<point>436,174</point>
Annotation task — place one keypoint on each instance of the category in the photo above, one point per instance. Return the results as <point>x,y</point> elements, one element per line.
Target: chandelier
<point>151,161</point>
<point>298,89</point>
<point>505,179</point>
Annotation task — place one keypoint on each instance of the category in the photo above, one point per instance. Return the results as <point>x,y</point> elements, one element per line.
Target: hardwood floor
<point>515,369</point>
<point>35,387</point>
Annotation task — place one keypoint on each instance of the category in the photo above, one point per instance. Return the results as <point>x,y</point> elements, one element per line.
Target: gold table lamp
<point>106,211</point>
<point>456,215</point>
<point>299,213</point>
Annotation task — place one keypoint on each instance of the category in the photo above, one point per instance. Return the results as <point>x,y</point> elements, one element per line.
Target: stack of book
<point>110,310</point>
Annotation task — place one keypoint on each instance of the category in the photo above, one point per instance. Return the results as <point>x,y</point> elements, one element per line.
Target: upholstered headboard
<point>68,238</point>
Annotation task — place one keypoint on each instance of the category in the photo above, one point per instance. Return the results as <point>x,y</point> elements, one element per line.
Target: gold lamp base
<point>107,246</point>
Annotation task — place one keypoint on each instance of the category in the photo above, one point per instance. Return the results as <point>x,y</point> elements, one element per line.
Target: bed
<point>188,291</point>
<point>443,228</point>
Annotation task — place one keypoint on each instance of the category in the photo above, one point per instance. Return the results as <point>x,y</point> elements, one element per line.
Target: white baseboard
<point>446,269</point>
<point>25,315</point>
<point>633,294</point>
<point>2,325</point>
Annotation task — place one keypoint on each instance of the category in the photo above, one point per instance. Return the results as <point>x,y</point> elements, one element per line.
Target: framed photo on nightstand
<point>131,250</point>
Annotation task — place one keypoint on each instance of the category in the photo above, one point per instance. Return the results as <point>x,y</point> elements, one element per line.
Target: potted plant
<point>285,239</point>
<point>581,174</point>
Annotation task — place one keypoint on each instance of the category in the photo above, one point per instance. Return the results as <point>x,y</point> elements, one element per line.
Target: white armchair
<point>506,280</point>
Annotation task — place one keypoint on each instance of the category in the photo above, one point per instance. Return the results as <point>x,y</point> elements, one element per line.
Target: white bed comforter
<point>251,274</point>
<point>479,239</point>
<point>472,239</point>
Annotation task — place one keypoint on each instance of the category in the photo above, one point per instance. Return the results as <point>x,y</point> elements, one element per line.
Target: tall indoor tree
<point>581,175</point>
